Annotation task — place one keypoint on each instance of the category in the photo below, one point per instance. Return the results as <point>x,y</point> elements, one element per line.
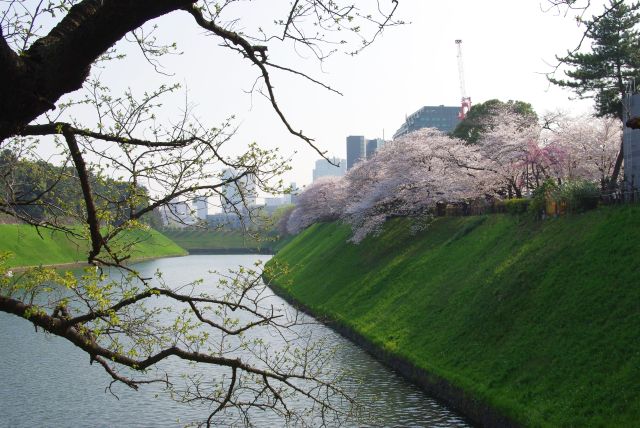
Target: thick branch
<point>191,300</point>
<point>57,127</point>
<point>227,397</point>
<point>85,342</point>
<point>83,175</point>
<point>250,51</point>
<point>59,63</point>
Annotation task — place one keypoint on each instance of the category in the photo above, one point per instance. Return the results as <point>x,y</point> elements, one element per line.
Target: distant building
<point>373,146</point>
<point>238,194</point>
<point>325,169</point>
<point>293,196</point>
<point>274,202</point>
<point>356,150</point>
<point>202,208</point>
<point>631,147</point>
<point>440,117</point>
<point>177,214</point>
<point>225,221</point>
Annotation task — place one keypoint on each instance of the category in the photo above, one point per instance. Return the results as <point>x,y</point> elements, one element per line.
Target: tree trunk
<point>616,169</point>
<point>59,63</point>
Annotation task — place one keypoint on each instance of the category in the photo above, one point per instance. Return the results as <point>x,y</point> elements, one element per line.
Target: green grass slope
<point>31,249</point>
<point>539,319</point>
<point>217,240</point>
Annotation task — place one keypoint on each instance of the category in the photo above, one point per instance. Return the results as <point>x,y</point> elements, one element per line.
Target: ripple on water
<point>46,382</point>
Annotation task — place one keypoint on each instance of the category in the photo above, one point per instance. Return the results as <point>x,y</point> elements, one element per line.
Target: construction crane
<point>465,104</point>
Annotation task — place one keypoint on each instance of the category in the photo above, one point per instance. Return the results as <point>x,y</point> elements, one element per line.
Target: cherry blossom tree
<point>323,200</point>
<point>587,147</point>
<point>409,176</point>
<point>511,147</point>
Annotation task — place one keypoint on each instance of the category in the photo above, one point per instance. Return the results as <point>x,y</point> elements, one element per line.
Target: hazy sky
<point>507,46</point>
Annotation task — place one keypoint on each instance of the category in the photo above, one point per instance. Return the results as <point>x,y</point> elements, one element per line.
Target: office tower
<point>355,150</point>
<point>325,169</point>
<point>373,146</point>
<point>440,117</point>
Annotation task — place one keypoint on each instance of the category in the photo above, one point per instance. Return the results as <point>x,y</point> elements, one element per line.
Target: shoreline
<point>79,264</point>
<point>473,410</point>
<point>224,251</point>
<point>196,252</point>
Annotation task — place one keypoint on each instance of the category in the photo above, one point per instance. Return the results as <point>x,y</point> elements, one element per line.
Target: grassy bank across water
<point>540,320</point>
<point>53,248</point>
<point>224,242</point>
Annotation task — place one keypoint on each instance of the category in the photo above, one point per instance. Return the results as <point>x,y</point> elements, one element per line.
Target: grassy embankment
<point>221,241</point>
<point>541,320</point>
<point>30,249</point>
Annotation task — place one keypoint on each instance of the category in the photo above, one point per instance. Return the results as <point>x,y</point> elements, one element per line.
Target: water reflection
<point>48,382</point>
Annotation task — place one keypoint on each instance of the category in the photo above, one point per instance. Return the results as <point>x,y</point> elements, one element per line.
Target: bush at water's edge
<point>541,321</point>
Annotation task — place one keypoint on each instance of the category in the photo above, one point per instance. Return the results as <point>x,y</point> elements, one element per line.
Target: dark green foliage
<point>577,196</point>
<point>574,196</point>
<point>40,191</point>
<point>267,236</point>
<point>280,218</point>
<point>223,240</point>
<point>538,202</point>
<point>25,182</point>
<point>479,118</point>
<point>516,206</point>
<point>539,319</point>
<point>613,61</point>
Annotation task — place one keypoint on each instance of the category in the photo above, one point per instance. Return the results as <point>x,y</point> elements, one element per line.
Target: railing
<point>621,197</point>
<point>519,206</point>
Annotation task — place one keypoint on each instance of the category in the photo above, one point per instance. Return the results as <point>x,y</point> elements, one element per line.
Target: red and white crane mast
<point>465,104</point>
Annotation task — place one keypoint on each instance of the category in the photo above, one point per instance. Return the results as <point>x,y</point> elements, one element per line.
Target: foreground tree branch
<point>87,342</point>
<point>257,55</point>
<point>97,324</point>
<point>60,62</point>
<point>123,165</point>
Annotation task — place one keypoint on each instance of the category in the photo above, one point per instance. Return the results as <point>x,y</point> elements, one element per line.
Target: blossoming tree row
<point>411,175</point>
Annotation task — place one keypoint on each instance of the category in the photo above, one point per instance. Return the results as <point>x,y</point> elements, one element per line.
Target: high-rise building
<point>238,194</point>
<point>295,191</point>
<point>373,146</point>
<point>325,169</point>
<point>176,214</point>
<point>202,209</point>
<point>356,150</point>
<point>271,203</point>
<point>443,118</point>
<point>274,201</point>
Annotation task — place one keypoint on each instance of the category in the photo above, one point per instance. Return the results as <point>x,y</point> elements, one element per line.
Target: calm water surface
<point>47,382</point>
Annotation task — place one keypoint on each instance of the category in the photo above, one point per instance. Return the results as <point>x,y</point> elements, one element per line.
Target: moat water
<point>46,382</point>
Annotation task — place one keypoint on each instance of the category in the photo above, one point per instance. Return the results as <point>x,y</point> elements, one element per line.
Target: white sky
<point>507,47</point>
